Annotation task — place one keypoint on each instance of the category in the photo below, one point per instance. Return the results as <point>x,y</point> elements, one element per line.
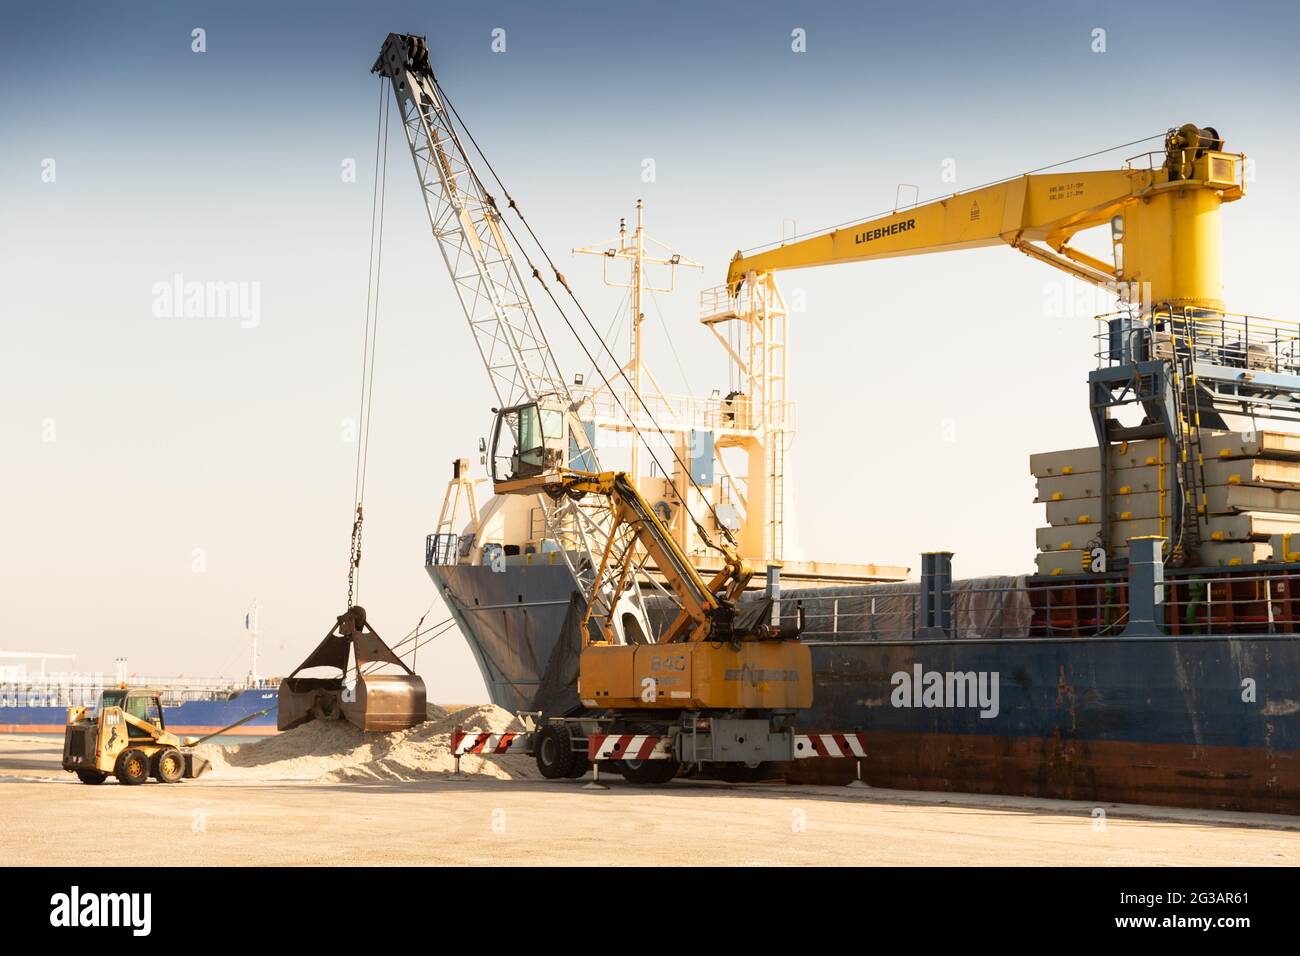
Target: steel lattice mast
<point>467,226</point>
<point>520,364</point>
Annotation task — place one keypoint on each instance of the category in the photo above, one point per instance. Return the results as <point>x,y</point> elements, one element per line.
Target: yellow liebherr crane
<point>1166,270</point>
<point>1164,219</point>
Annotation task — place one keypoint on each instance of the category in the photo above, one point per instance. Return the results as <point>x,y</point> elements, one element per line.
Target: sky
<point>163,470</point>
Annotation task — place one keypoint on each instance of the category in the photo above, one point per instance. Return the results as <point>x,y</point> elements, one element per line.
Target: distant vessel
<point>187,708</point>
<point>37,702</point>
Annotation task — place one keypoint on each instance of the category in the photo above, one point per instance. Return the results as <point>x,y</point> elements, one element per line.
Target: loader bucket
<point>195,766</point>
<point>372,702</point>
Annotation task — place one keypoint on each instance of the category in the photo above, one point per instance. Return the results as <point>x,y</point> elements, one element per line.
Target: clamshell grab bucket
<point>375,702</point>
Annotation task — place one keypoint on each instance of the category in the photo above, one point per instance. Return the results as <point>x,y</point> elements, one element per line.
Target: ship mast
<point>633,251</point>
<point>250,625</point>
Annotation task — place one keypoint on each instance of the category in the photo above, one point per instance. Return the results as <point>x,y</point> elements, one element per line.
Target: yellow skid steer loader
<point>126,737</point>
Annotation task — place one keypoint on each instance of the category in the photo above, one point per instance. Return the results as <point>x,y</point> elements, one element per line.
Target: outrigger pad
<point>377,702</point>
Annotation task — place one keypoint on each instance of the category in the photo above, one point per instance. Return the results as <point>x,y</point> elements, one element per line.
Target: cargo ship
<point>38,702</point>
<point>1148,651</point>
<point>1094,675</point>
<point>1048,685</point>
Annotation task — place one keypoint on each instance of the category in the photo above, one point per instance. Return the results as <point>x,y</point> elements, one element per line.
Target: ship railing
<point>187,683</point>
<point>1234,340</point>
<point>836,617</point>
<point>717,303</point>
<point>1232,604</point>
<point>1227,602</point>
<point>616,409</point>
<point>441,549</point>
<point>50,686</point>
<point>976,611</point>
<point>751,300</point>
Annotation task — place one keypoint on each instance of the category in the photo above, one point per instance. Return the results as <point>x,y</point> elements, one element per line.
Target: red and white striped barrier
<point>627,747</point>
<point>830,745</point>
<point>647,746</point>
<point>483,743</point>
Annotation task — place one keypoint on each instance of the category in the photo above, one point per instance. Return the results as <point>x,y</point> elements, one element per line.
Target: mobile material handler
<point>721,686</point>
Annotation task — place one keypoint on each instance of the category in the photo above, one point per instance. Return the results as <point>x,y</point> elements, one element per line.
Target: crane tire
<point>648,772</point>
<point>132,767</point>
<point>168,765</point>
<point>741,773</point>
<point>580,767</point>
<point>554,753</point>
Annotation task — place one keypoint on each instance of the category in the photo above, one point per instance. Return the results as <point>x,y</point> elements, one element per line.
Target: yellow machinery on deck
<point>1171,347</point>
<point>1164,223</point>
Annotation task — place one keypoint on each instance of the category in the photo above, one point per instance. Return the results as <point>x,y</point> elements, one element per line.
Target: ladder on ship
<point>1190,452</point>
<point>776,495</point>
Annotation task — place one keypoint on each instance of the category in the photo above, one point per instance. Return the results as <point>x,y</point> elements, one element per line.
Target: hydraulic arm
<point>707,608</point>
<point>711,656</point>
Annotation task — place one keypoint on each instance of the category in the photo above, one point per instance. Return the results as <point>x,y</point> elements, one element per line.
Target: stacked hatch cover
<point>1252,491</point>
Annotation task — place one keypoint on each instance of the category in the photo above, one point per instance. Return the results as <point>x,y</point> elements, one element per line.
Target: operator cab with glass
<point>530,446</point>
<point>143,705</point>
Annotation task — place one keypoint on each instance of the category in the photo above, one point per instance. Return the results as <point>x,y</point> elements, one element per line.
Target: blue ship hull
<point>1187,719</point>
<point>1211,722</point>
<point>192,717</point>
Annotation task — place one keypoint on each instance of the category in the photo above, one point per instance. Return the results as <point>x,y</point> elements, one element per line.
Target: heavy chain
<point>354,558</point>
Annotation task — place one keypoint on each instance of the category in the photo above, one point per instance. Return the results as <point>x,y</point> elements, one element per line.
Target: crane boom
<point>1166,242</point>
<point>467,225</point>
<point>1168,225</point>
<point>521,366</point>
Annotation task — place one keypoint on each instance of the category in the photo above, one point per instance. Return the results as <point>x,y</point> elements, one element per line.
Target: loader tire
<point>132,767</point>
<point>168,765</point>
<point>91,776</point>
<point>554,754</point>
